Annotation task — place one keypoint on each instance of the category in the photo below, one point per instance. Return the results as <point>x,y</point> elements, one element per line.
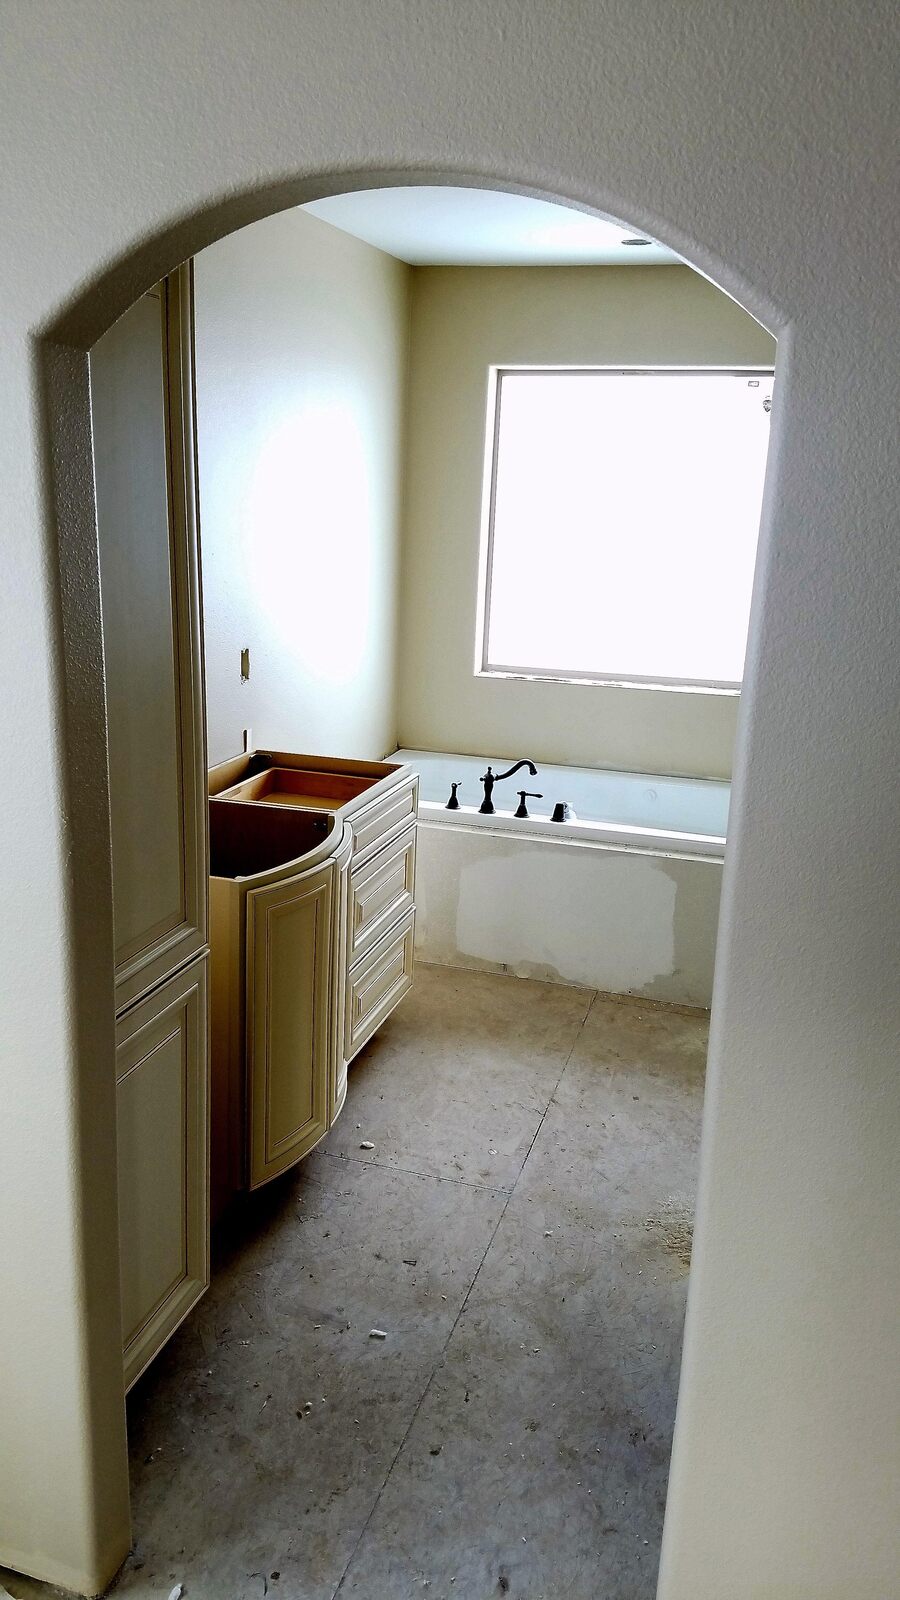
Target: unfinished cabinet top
<point>287,779</point>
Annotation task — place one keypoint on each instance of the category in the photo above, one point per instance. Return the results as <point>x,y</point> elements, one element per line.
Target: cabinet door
<point>161,1104</point>
<point>142,418</point>
<point>290,931</point>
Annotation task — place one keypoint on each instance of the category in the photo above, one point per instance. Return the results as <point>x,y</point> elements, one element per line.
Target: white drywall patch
<point>587,916</point>
<point>532,907</point>
<point>568,911</point>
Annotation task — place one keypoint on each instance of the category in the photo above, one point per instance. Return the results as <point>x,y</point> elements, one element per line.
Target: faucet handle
<point>453,803</point>
<point>524,794</point>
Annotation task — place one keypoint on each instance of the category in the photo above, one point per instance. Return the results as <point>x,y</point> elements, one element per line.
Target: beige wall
<point>301,365</point>
<point>463,321</point>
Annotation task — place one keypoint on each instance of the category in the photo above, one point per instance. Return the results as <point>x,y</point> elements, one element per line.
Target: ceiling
<point>440,226</point>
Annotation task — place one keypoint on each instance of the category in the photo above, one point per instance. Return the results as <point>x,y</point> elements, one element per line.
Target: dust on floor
<point>508,1197</point>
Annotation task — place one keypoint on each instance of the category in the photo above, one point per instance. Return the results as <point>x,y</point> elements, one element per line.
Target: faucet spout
<point>529,764</point>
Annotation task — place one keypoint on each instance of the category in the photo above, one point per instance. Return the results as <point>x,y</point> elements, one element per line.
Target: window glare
<point>625,521</point>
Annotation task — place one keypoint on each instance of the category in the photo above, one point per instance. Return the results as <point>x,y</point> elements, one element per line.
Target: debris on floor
<point>367,1145</point>
<point>674,1225</point>
<point>476,1461</point>
<point>177,1592</point>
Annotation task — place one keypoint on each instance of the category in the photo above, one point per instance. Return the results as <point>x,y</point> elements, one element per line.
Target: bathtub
<point>624,898</point>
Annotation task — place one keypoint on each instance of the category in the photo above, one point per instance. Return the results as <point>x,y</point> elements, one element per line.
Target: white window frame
<point>487,669</point>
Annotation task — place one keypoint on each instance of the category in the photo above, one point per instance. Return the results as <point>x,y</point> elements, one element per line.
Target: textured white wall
<point>463,321</point>
<point>760,141</point>
<point>301,366</point>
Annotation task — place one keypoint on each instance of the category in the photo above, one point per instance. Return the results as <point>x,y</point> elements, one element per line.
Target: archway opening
<point>72,557</point>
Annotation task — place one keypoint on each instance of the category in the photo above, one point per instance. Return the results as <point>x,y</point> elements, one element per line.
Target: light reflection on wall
<point>308,513</point>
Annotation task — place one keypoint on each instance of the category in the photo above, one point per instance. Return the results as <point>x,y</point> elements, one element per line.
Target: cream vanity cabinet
<point>143,437</point>
<point>277,898</point>
<point>312,916</point>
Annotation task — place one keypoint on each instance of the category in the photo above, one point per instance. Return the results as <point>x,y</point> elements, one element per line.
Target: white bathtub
<point>624,899</point>
<point>626,809</point>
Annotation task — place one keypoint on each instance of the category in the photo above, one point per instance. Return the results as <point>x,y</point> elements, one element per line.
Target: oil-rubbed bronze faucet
<point>522,809</point>
<point>491,777</point>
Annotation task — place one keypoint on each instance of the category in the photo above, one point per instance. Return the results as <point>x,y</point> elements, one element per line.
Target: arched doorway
<point>741,128</point>
<point>66,393</point>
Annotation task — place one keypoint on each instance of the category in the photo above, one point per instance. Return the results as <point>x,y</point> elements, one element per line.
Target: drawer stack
<point>381,913</point>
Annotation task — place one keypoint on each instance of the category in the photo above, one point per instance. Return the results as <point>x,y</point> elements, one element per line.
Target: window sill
<point>728,690</point>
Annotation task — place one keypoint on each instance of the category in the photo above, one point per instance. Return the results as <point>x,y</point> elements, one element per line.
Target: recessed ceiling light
<point>637,241</point>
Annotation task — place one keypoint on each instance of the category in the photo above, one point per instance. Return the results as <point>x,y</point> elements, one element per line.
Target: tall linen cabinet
<point>144,462</point>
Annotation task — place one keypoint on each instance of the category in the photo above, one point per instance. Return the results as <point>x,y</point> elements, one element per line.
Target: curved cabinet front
<point>292,939</point>
<point>277,957</point>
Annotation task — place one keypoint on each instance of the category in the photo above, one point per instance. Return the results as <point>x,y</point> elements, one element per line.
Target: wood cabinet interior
<point>287,786</point>
<point>246,840</point>
<point>343,780</point>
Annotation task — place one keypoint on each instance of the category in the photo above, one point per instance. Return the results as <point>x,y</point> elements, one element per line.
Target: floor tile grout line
<point>475,1276</point>
<point>507,1193</point>
<point>471,1183</point>
<point>543,1116</point>
<point>413,1172</point>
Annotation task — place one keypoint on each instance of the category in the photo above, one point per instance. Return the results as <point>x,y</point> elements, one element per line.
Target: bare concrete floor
<point>521,1233</point>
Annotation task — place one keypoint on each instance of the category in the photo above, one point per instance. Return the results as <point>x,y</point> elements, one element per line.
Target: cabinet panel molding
<point>163,1162</point>
<point>376,823</point>
<point>338,1074</point>
<point>289,1019</point>
<point>142,406</point>
<point>381,891</point>
<point>377,982</point>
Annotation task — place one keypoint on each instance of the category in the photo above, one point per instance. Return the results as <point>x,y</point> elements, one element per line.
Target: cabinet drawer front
<point>377,982</point>
<point>161,1113</point>
<point>375,824</point>
<point>380,891</point>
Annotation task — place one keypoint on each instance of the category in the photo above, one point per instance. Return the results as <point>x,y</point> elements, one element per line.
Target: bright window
<point>622,520</point>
